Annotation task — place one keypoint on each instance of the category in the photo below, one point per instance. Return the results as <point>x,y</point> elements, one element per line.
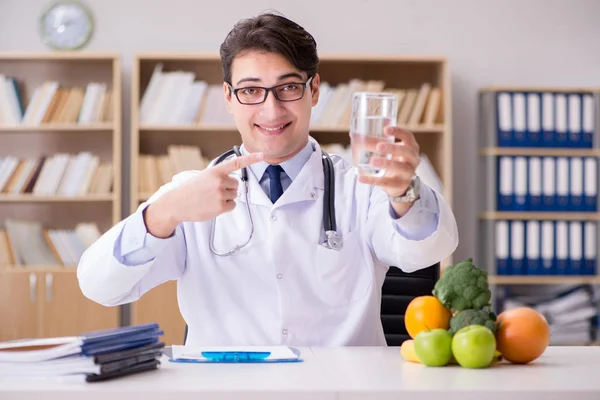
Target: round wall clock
<point>66,25</point>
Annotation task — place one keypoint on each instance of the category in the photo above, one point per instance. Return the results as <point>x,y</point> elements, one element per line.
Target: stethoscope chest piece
<point>333,241</point>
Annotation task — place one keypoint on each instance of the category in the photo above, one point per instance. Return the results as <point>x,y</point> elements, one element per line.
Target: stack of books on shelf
<point>556,183</point>
<point>157,170</point>
<point>60,174</point>
<point>52,103</point>
<point>571,311</point>
<point>89,357</point>
<point>178,98</point>
<point>416,107</point>
<point>28,243</point>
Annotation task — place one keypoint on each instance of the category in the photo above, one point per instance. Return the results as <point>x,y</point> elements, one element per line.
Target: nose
<point>272,108</point>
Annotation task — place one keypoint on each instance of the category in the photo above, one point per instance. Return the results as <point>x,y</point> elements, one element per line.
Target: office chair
<point>399,288</point>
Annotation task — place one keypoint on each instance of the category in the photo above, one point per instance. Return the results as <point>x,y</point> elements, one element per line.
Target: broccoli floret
<point>463,286</point>
<point>473,317</point>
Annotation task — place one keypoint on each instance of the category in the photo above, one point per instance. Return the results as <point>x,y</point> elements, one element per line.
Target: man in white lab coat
<point>284,286</point>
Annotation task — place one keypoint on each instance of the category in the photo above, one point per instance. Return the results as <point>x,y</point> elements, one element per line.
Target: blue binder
<point>533,243</point>
<point>588,120</point>
<point>109,340</point>
<point>534,120</point>
<point>504,119</point>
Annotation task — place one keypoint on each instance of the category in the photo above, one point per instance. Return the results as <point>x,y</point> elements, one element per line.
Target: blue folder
<point>232,356</point>
<point>109,340</point>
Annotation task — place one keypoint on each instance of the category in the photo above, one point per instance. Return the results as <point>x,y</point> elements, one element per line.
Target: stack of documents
<point>571,311</point>
<point>95,356</point>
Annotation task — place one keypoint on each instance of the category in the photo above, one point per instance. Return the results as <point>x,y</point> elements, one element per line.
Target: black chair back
<point>399,288</point>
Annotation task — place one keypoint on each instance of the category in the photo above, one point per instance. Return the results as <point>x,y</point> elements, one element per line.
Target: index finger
<point>234,164</point>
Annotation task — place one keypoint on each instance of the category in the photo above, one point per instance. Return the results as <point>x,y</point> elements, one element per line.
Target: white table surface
<point>358,373</point>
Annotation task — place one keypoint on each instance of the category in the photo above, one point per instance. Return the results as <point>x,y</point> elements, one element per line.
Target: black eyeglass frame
<point>271,89</point>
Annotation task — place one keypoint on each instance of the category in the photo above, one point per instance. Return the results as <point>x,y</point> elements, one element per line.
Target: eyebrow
<point>281,77</point>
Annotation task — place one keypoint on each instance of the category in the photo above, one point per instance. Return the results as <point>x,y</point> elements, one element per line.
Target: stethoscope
<point>332,239</point>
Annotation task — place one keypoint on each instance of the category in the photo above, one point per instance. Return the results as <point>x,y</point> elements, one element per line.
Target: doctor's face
<point>278,128</point>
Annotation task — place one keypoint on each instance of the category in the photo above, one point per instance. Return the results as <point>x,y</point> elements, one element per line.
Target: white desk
<point>339,373</point>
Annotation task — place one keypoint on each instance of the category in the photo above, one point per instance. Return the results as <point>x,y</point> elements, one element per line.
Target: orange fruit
<point>523,335</point>
<point>424,313</point>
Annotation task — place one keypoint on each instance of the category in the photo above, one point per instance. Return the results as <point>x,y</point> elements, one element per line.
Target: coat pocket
<point>344,276</point>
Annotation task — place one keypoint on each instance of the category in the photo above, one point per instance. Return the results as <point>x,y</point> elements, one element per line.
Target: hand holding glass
<point>371,113</point>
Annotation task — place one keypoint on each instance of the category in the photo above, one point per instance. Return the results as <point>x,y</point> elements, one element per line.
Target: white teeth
<point>272,129</point>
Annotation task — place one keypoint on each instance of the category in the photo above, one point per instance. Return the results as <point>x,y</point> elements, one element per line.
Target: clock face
<point>67,25</point>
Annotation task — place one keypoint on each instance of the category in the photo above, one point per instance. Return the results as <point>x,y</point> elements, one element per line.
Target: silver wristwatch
<point>411,194</point>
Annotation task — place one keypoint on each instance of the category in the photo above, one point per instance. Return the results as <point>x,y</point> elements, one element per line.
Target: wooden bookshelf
<point>152,135</point>
<point>68,105</point>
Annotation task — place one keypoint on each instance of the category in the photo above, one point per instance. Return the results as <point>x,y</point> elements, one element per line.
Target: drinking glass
<point>371,113</point>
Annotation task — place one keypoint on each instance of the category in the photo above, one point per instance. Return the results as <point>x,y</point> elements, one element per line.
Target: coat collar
<point>307,186</point>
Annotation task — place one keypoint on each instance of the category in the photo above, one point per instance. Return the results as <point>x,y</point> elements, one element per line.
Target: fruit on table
<point>473,317</point>
<point>407,350</point>
<point>523,335</point>
<point>474,346</point>
<point>434,347</point>
<point>463,286</point>
<point>426,312</point>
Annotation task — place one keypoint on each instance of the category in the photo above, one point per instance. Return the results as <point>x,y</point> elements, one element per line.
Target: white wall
<point>515,42</point>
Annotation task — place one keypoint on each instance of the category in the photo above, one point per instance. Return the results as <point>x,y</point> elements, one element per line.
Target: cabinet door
<point>19,305</point>
<point>67,312</point>
<point>160,305</point>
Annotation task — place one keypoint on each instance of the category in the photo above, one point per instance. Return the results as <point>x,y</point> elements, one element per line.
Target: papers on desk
<point>35,350</point>
<point>96,355</point>
<point>227,354</point>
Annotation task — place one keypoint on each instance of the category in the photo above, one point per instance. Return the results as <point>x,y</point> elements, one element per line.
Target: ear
<point>227,93</point>
<point>316,80</point>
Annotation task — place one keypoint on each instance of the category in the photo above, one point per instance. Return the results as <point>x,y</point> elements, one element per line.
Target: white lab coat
<point>283,287</point>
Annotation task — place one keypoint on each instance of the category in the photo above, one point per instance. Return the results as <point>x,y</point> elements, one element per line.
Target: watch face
<point>66,25</point>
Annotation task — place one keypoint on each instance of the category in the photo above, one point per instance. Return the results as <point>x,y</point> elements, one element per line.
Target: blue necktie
<point>276,190</point>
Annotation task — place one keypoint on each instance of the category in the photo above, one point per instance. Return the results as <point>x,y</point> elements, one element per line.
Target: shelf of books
<point>60,162</point>
<point>179,121</point>
<point>538,221</point>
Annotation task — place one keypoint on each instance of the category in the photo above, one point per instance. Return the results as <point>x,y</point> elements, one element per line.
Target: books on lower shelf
<point>91,356</point>
<point>545,247</point>
<point>52,103</point>
<point>60,174</point>
<point>28,243</point>
<point>178,98</point>
<point>545,118</point>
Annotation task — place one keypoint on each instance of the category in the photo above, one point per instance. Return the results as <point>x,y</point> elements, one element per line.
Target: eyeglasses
<point>257,94</point>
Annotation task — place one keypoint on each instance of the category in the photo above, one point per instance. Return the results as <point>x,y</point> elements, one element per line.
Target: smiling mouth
<point>273,129</point>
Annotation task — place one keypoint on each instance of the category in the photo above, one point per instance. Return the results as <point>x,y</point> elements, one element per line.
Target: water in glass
<point>371,113</point>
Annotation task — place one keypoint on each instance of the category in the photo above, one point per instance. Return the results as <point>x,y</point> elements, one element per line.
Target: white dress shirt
<point>283,287</point>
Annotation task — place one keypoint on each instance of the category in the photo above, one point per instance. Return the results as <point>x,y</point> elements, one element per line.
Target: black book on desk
<point>97,355</point>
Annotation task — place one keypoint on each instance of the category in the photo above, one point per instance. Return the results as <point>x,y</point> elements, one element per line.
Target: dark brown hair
<point>271,33</point>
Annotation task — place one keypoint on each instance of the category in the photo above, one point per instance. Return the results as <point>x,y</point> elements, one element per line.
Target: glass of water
<point>371,113</point>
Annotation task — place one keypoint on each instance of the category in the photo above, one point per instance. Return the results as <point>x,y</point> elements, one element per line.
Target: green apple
<point>434,347</point>
<point>474,346</point>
